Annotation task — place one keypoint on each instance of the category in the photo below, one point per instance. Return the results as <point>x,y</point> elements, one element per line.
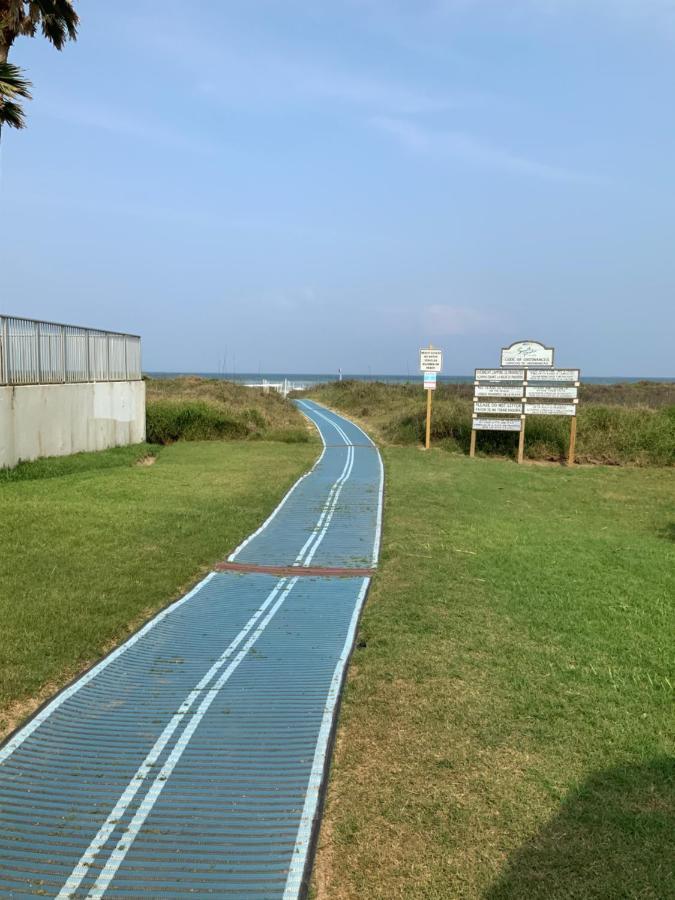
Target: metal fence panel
<point>35,352</point>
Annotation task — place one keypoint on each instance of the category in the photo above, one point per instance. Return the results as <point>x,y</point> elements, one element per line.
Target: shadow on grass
<point>613,838</point>
<point>668,532</point>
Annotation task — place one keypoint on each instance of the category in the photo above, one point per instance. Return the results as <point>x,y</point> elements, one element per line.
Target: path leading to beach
<point>191,759</point>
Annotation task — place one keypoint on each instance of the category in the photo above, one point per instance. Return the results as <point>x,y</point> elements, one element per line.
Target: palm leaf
<point>57,19</point>
<point>12,85</point>
<point>11,114</point>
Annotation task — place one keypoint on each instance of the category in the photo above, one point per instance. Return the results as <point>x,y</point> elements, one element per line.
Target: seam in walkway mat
<point>191,760</point>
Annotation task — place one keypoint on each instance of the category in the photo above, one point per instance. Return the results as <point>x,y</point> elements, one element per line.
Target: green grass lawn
<point>91,545</point>
<point>507,729</point>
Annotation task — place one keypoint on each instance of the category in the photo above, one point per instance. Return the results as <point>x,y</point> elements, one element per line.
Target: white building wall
<point>60,419</point>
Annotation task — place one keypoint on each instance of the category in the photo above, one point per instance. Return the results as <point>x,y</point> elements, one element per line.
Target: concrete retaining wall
<point>59,419</point>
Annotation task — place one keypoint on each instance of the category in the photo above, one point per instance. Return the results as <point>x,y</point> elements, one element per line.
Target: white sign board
<point>550,409</point>
<point>431,360</point>
<point>500,374</point>
<point>496,424</point>
<point>552,393</point>
<point>430,381</point>
<point>527,353</point>
<point>513,409</point>
<point>498,390</point>
<point>553,374</point>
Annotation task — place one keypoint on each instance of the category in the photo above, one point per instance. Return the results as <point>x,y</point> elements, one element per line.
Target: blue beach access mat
<point>190,761</point>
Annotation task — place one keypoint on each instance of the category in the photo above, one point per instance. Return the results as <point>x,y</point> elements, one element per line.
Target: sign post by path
<point>573,441</point>
<point>526,374</point>
<point>431,362</point>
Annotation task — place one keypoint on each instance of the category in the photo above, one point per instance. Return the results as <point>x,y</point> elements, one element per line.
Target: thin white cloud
<point>441,320</point>
<point>248,73</point>
<point>435,17</point>
<point>244,81</point>
<point>654,9</point>
<point>463,146</point>
<point>103,118</point>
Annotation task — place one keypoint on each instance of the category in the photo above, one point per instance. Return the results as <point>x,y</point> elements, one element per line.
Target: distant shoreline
<point>311,378</point>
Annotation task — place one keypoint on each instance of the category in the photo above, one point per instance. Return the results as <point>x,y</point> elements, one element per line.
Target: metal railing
<point>35,352</point>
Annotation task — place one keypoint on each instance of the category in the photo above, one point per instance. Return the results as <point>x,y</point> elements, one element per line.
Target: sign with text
<point>527,353</point>
<point>500,374</point>
<point>552,393</point>
<point>498,390</point>
<point>553,374</point>
<point>430,381</point>
<point>526,374</point>
<point>480,424</point>
<point>550,409</point>
<point>431,359</point>
<point>514,409</point>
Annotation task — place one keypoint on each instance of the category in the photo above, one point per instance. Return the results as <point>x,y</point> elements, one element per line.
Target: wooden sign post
<point>526,374</point>
<point>521,440</point>
<point>427,441</point>
<point>431,362</point>
<point>573,441</point>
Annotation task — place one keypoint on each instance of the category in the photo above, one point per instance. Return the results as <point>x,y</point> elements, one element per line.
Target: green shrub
<point>168,421</point>
<point>194,420</point>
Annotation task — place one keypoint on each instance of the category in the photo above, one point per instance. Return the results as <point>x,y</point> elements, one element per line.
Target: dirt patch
<point>17,713</point>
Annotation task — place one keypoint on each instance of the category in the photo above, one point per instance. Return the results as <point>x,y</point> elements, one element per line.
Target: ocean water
<point>309,379</point>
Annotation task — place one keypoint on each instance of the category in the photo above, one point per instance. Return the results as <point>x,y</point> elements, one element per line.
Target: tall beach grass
<point>617,424</point>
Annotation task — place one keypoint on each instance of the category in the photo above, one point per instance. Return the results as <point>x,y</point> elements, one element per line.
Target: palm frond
<point>12,85</point>
<point>57,19</point>
<point>11,114</point>
<point>12,82</point>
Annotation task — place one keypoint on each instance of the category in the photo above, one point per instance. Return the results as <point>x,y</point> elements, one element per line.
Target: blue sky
<point>298,185</point>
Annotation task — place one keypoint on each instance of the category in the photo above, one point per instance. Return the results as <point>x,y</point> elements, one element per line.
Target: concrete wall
<point>59,419</point>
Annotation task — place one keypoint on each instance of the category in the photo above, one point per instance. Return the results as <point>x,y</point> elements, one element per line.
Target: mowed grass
<point>507,729</point>
<point>93,544</point>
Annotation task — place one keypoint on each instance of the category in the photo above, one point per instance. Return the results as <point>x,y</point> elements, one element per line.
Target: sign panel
<point>430,381</point>
<point>431,360</point>
<point>496,424</point>
<point>553,374</point>
<point>498,390</point>
<point>550,409</point>
<point>514,409</point>
<point>527,353</point>
<point>500,375</point>
<point>552,393</point>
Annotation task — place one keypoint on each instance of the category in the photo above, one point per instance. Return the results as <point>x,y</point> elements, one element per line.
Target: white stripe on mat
<point>61,698</point>
<point>124,844</point>
<point>311,805</point>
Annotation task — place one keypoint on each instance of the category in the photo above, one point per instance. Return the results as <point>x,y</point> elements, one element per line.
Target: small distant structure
<point>282,387</point>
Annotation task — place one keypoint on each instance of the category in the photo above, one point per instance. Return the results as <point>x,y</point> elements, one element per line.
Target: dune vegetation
<point>193,408</point>
<point>624,424</point>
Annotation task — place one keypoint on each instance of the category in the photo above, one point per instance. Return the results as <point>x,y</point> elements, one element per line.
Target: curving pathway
<point>189,762</point>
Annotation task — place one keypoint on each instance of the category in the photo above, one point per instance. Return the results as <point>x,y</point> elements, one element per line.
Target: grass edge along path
<point>507,727</point>
<point>94,545</point>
